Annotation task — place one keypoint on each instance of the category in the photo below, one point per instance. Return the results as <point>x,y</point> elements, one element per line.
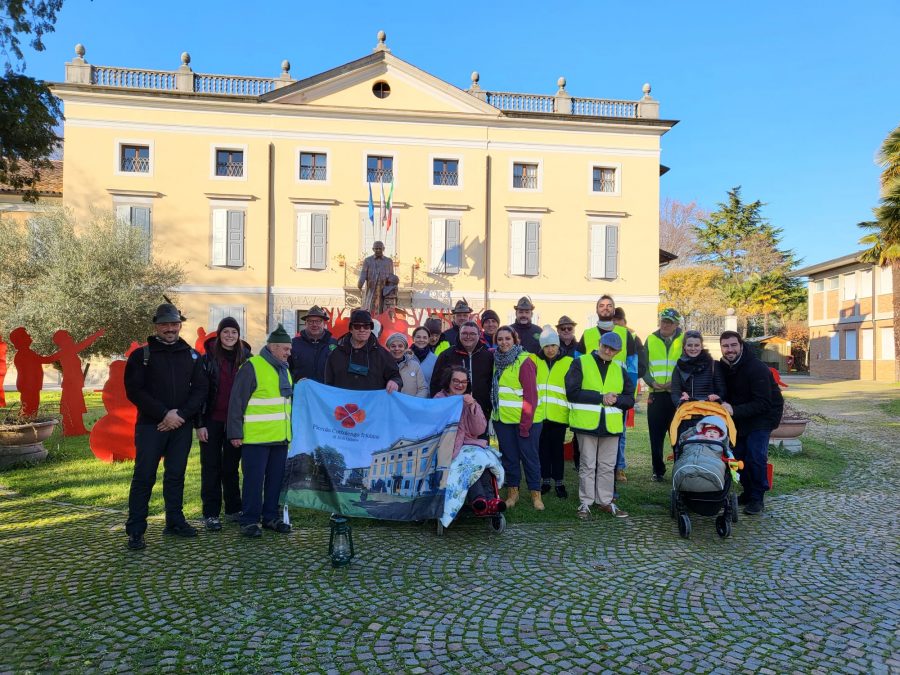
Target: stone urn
<point>788,429</point>
<point>24,443</point>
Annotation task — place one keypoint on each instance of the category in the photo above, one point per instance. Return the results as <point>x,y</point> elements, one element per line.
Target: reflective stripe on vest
<point>586,416</point>
<point>551,384</point>
<point>511,395</point>
<point>267,418</point>
<point>592,341</point>
<point>662,361</point>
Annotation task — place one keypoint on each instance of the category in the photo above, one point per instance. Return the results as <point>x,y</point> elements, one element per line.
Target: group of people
<point>531,383</point>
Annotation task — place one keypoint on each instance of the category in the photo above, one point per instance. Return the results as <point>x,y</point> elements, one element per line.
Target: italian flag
<point>390,207</point>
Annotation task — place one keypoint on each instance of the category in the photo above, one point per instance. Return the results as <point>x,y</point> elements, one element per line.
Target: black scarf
<point>421,352</point>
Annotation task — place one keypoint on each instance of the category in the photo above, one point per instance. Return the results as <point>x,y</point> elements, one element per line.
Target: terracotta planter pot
<point>789,429</point>
<point>23,443</point>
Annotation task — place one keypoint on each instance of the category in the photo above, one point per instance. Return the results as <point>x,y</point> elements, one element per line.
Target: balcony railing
<point>380,175</point>
<point>520,102</point>
<point>230,169</point>
<point>133,78</point>
<point>601,107</point>
<point>525,182</point>
<point>313,173</point>
<point>135,164</point>
<point>604,185</point>
<point>446,178</point>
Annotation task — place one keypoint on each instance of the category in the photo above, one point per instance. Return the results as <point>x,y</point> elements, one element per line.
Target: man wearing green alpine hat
<point>660,354</point>
<point>259,422</point>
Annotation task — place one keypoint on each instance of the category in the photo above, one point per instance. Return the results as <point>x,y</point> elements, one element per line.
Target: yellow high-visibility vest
<point>268,415</point>
<point>662,361</point>
<point>592,341</point>
<point>551,384</point>
<point>586,416</point>
<point>511,396</point>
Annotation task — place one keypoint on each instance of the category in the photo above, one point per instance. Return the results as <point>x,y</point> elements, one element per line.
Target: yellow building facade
<point>260,188</point>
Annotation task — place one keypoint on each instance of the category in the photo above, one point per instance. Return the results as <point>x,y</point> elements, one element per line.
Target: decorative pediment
<point>381,81</point>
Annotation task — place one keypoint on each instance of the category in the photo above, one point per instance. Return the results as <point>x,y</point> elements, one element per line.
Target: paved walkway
<point>810,587</point>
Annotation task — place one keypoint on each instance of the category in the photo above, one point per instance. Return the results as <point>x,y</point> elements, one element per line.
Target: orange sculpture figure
<point>112,437</point>
<point>71,403</point>
<point>3,349</point>
<point>29,371</point>
<point>202,337</point>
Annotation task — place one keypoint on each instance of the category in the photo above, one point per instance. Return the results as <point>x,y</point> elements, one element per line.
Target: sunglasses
<point>565,329</point>
<point>360,326</point>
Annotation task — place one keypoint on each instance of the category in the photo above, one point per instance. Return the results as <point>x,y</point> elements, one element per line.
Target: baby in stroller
<point>702,478</point>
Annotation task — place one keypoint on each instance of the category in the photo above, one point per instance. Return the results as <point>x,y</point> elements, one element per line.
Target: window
<point>831,283</point>
<point>312,240</point>
<point>604,179</point>
<point>604,251</point>
<point>228,238</point>
<point>409,466</point>
<point>865,283</point>
<point>369,233</point>
<point>525,176</point>
<point>446,172</point>
<point>850,345</point>
<point>834,346</point>
<point>313,166</point>
<point>446,252</point>
<point>867,340</point>
<point>885,280</point>
<point>849,287</point>
<point>379,169</point>
<point>219,312</point>
<point>229,163</point>
<point>423,465</point>
<point>381,89</point>
<point>134,158</point>
<point>139,218</point>
<point>818,285</point>
<point>524,254</point>
<point>886,353</point>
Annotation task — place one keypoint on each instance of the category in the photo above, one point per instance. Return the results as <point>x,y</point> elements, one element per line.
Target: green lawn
<point>72,474</point>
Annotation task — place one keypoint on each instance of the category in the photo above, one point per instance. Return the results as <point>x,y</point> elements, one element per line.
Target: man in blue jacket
<point>310,349</point>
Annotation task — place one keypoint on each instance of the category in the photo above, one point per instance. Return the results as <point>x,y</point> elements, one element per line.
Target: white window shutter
<point>438,244</point>
<point>219,236</point>
<point>216,314</point>
<point>235,239</point>
<point>598,251</point>
<point>390,238</point>
<point>238,312</point>
<point>612,251</point>
<point>140,218</point>
<point>319,241</point>
<point>453,255</point>
<point>532,248</point>
<point>517,247</point>
<point>289,321</point>
<point>304,240</point>
<point>123,214</point>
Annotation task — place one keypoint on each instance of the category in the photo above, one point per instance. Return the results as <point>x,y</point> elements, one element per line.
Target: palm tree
<point>883,239</point>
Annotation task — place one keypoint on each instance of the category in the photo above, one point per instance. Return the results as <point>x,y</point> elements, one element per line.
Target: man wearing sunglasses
<point>358,362</point>
<point>568,345</point>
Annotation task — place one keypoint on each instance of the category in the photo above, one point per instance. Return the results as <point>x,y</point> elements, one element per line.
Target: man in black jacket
<point>165,382</point>
<point>472,354</point>
<point>461,314</point>
<point>749,384</point>
<point>310,349</point>
<point>358,362</point>
<point>529,334</point>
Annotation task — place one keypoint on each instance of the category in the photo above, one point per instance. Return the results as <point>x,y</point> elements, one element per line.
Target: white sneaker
<point>584,511</point>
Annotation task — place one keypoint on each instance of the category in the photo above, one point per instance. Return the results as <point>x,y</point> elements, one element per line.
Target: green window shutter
<point>532,248</point>
<point>453,253</point>
<point>318,260</point>
<point>612,251</point>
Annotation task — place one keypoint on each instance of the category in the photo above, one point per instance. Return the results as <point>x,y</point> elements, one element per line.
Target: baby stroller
<point>482,496</point>
<point>702,479</point>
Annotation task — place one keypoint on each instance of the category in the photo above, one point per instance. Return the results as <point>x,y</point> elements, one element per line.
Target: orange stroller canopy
<point>700,409</point>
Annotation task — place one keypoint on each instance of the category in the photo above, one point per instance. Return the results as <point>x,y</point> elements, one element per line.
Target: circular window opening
<point>381,89</point>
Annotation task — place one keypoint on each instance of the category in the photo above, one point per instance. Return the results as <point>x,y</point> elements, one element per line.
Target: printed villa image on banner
<point>370,454</point>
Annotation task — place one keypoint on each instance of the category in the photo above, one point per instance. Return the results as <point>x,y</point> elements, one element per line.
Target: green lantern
<point>340,543</point>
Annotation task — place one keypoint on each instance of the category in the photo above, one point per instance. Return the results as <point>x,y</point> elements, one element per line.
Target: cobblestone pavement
<point>810,587</point>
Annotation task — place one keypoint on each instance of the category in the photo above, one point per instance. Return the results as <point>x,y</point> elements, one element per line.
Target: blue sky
<point>790,100</point>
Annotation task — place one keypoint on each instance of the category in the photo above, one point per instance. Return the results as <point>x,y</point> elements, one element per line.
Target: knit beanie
<point>548,336</point>
<point>489,314</point>
<point>279,336</point>
<point>395,337</point>
<point>434,325</point>
<point>229,322</point>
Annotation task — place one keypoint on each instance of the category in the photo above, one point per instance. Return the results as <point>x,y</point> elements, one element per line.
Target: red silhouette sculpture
<point>112,437</point>
<point>202,338</point>
<point>29,371</point>
<point>71,403</point>
<point>3,349</point>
